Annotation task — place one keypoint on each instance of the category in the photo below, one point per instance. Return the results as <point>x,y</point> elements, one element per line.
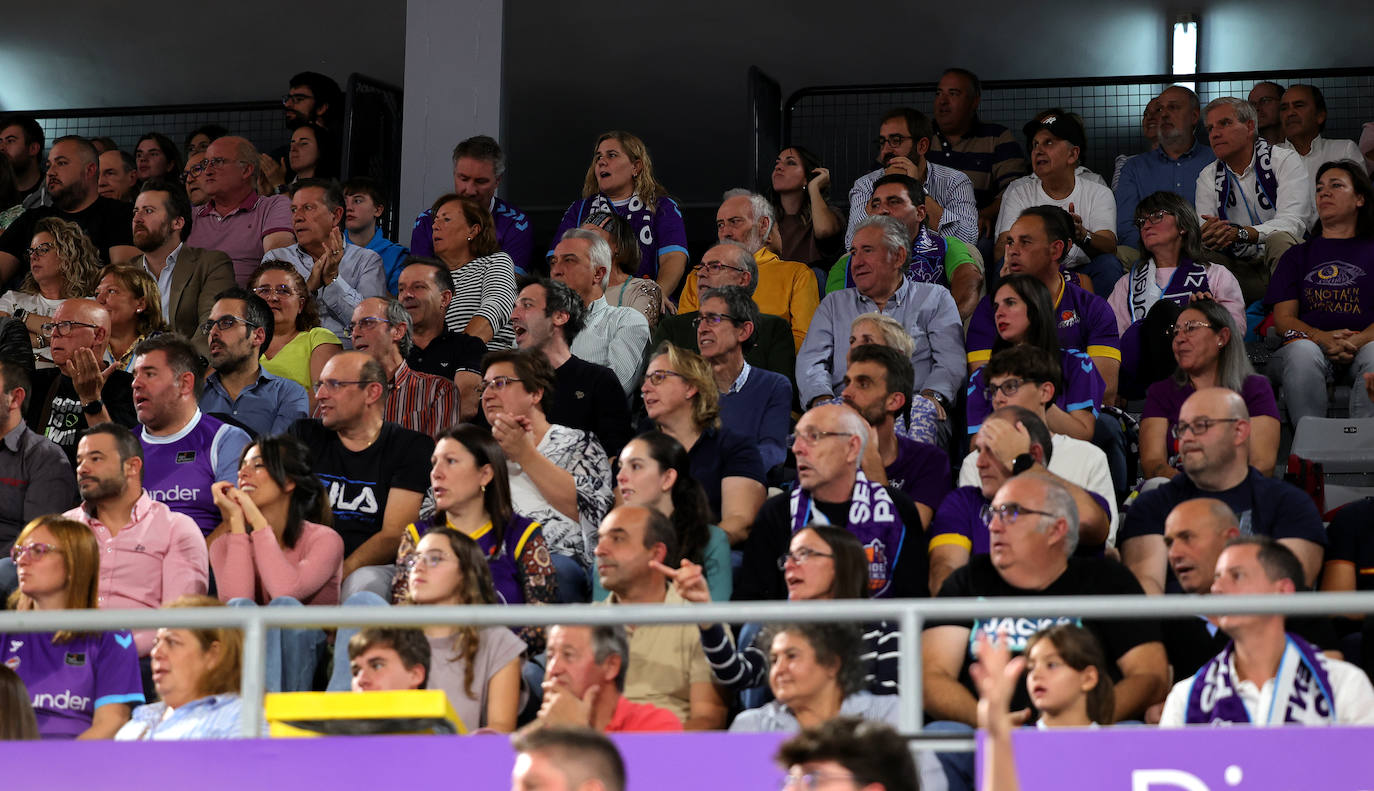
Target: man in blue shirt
<point>364,206</point>
<point>239,328</point>
<point>1171,167</point>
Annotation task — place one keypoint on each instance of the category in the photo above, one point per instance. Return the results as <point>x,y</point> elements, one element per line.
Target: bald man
<point>68,399</point>
<point>235,219</point>
<point>1213,446</point>
<point>829,444</point>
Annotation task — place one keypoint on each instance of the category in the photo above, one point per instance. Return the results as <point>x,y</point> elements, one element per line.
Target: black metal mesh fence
<point>840,123</point>
<point>260,122</point>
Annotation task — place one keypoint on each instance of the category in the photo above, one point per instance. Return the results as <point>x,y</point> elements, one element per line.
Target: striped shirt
<point>212,717</point>
<point>988,155</point>
<point>746,667</point>
<point>614,337</point>
<point>484,287</point>
<point>950,188</point>
<point>421,402</point>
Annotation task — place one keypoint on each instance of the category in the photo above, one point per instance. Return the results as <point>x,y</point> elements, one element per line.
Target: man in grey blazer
<point>188,278</point>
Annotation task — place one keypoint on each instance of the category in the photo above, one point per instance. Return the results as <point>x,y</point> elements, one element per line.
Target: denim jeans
<point>292,654</point>
<point>574,586</point>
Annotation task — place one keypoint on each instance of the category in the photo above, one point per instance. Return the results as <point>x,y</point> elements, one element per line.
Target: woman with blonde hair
<point>58,562</point>
<point>62,264</point>
<point>620,180</point>
<point>681,397</point>
<point>197,674</point>
<point>131,297</point>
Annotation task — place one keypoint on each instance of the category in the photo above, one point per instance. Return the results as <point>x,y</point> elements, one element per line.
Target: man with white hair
<point>612,336</point>
<point>1255,201</point>
<point>785,288</point>
<point>1033,523</point>
<point>927,312</point>
<point>832,489</point>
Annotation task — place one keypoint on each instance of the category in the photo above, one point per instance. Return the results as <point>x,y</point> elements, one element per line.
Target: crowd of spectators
<point>991,374</point>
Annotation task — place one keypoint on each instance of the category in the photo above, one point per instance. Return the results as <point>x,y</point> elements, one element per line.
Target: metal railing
<point>910,614</point>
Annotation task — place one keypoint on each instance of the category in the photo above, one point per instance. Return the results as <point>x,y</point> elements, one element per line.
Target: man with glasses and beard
<point>188,278</point>
<point>238,329</point>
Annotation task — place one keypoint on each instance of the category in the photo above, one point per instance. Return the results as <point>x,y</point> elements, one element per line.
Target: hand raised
<point>688,579</point>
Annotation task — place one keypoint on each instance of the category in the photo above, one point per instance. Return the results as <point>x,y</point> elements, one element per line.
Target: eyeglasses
<point>429,559</point>
<point>800,557</point>
<point>811,781</point>
<point>335,384</point>
<point>1009,513</point>
<point>367,323</point>
<point>39,249</point>
<point>497,383</point>
<point>295,98</point>
<point>1153,217</point>
<point>1199,427</point>
<point>1188,328</point>
<point>225,323</point>
<point>219,162</point>
<point>714,319</point>
<point>891,140</point>
<point>714,267</point>
<point>810,436</point>
<point>193,171</point>
<point>278,291</point>
<point>62,329</point>
<point>660,376</point>
<point>36,551</point>
<point>1008,388</point>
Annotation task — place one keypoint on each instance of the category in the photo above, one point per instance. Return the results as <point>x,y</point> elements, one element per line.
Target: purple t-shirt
<point>658,233</point>
<point>179,469</point>
<point>921,471</point>
<point>1330,279</point>
<point>68,681</point>
<point>514,234</point>
<point>959,521</point>
<point>1165,399</point>
<point>1083,320</point>
<point>1082,389</point>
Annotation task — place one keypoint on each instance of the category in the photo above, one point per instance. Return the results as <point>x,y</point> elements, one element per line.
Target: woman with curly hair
<point>62,264</point>
<point>300,346</point>
<point>621,180</point>
<point>131,297</point>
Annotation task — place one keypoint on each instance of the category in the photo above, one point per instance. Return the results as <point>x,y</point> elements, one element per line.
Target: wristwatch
<point>1022,463</point>
<point>94,408</point>
<point>1086,240</point>
<point>937,398</point>
<point>1242,234</point>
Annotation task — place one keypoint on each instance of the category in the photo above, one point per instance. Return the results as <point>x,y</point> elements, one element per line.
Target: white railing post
<point>253,684</point>
<point>911,716</point>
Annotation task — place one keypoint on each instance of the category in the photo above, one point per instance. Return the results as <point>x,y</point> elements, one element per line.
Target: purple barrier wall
<point>662,762</point>
<point>1195,759</point>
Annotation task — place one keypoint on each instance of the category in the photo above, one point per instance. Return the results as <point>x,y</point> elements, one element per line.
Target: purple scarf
<point>927,263</point>
<point>873,519</point>
<point>641,220</point>
<point>1266,189</point>
<point>1189,278</point>
<point>1302,687</point>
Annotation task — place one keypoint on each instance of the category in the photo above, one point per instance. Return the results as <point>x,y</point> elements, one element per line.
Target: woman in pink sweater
<point>275,548</point>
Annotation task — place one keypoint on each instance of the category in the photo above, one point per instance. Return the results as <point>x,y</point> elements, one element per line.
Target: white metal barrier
<point>911,614</point>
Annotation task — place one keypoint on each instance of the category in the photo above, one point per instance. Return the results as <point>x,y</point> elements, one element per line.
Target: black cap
<point>1064,127</point>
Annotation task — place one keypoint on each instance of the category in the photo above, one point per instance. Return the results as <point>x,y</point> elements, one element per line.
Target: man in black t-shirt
<point>547,316</point>
<point>424,290</point>
<point>1033,532</point>
<point>22,139</point>
<point>1213,444</point>
<point>70,398</point>
<point>830,441</point>
<point>376,472</point>
<point>73,181</point>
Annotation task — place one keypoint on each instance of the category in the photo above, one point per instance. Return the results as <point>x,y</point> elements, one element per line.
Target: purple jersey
<point>659,232</point>
<point>514,234</point>
<point>1082,388</point>
<point>921,471</point>
<point>1083,321</point>
<point>68,681</point>
<point>178,469</point>
<point>1332,280</point>
<point>959,521</point>
<point>507,572</point>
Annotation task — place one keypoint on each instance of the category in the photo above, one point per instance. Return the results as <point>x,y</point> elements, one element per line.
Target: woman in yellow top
<point>300,346</point>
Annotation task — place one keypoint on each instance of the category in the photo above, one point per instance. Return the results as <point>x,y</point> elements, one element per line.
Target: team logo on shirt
<point>76,659</point>
<point>1068,318</point>
<point>13,662</point>
<point>1333,274</point>
<point>1015,632</point>
<point>186,456</point>
<point>62,700</point>
<point>876,553</point>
